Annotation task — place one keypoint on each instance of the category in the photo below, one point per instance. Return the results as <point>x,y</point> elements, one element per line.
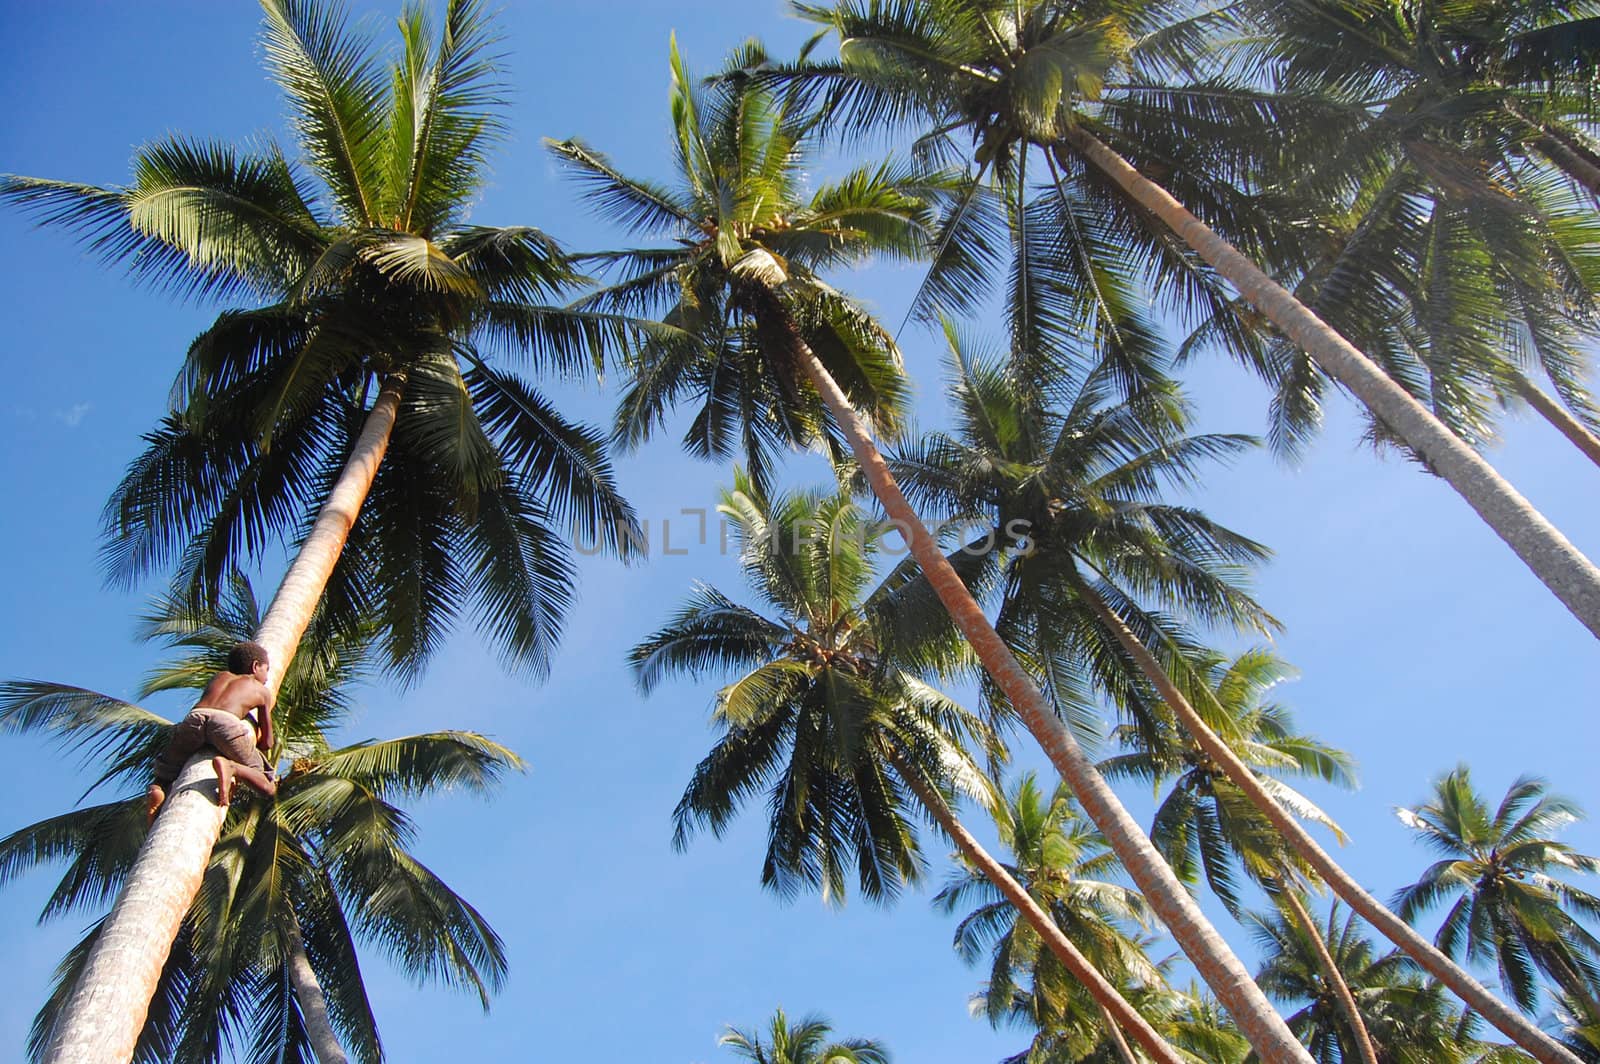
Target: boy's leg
<point>187,737</point>
<point>228,771</point>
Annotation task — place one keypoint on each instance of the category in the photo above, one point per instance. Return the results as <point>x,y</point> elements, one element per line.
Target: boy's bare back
<point>235,694</point>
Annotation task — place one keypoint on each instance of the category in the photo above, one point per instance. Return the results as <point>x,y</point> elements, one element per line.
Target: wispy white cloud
<point>73,417</point>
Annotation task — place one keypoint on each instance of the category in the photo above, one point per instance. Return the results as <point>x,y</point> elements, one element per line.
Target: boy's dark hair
<point>243,658</point>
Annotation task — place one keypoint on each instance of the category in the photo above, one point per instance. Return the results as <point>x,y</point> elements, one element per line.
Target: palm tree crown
<point>1501,868</point>
<point>360,270</point>
<point>1069,494</point>
<point>1066,868</point>
<point>1205,824</point>
<point>828,712</point>
<point>1410,1020</point>
<point>741,274</point>
<point>805,1042</point>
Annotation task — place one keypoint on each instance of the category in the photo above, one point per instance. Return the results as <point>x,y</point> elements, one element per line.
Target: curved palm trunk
<point>101,1020</point>
<point>1113,1006</point>
<point>313,1003</point>
<point>1559,416</point>
<point>1212,958</point>
<point>1572,577</point>
<point>1512,1023</point>
<point>1331,972</point>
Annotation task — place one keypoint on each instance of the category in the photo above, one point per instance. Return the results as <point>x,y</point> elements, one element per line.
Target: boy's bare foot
<point>152,803</point>
<point>224,769</point>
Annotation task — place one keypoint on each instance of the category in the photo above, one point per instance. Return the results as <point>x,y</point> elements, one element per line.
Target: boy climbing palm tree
<point>234,717</point>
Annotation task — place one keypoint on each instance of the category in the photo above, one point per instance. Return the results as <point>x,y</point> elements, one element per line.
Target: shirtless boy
<point>233,717</point>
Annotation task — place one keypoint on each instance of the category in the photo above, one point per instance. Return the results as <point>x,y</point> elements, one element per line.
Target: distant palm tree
<point>1064,866</point>
<point>266,958</point>
<point>1089,87</point>
<point>1196,1026</point>
<point>1205,825</point>
<point>766,346</point>
<point>354,378</point>
<point>829,716</point>
<point>1501,869</point>
<point>1411,1021</point>
<point>805,1042</point>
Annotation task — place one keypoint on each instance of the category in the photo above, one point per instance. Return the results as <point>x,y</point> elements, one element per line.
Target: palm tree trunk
<point>1113,1032</point>
<point>292,607</point>
<point>1573,578</point>
<point>1330,971</point>
<point>1574,430</point>
<point>101,1020</point>
<point>313,1003</point>
<point>1574,159</point>
<point>1212,958</point>
<point>1118,1013</point>
<point>1512,1023</point>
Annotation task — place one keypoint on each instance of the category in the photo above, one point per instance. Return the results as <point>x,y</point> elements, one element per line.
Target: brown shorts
<point>225,733</point>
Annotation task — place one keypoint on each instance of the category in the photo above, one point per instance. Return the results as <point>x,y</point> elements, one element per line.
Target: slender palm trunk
<point>1113,1032</point>
<point>1113,1006</point>
<point>1508,1020</point>
<point>1571,576</point>
<point>313,1003</point>
<point>1576,432</point>
<point>101,1020</point>
<point>1330,971</point>
<point>1212,958</point>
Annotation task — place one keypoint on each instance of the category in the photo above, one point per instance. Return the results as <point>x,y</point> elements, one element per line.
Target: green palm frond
<point>336,90</point>
<point>199,218</point>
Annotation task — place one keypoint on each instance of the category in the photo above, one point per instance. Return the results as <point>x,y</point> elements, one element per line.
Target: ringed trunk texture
<point>1512,1023</point>
<point>313,1003</point>
<point>1114,1007</point>
<point>1212,958</point>
<point>1574,430</point>
<point>101,1020</point>
<point>1331,972</point>
<point>1564,569</point>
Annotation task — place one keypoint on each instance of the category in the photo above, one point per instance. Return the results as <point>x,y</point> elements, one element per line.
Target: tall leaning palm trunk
<point>312,1001</point>
<point>377,279</point>
<point>102,1018</point>
<point>1512,1023</point>
<point>1119,1015</point>
<point>1216,963</point>
<point>1571,576</point>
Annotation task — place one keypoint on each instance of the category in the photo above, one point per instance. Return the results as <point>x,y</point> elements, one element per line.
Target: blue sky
<point>1421,640</point>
